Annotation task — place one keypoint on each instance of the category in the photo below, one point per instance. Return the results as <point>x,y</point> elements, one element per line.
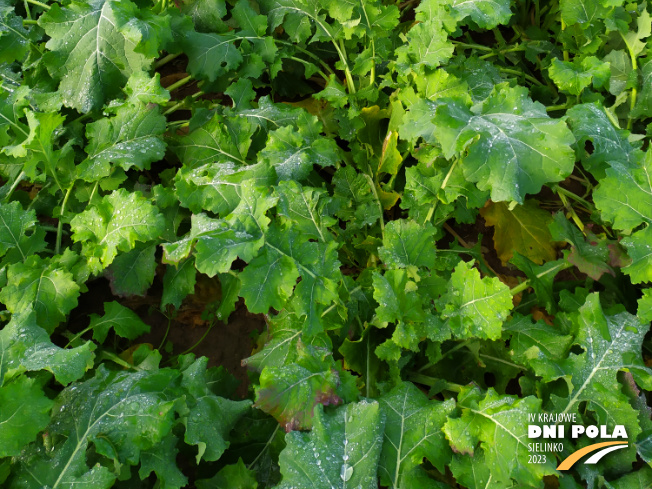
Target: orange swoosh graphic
<point>574,457</point>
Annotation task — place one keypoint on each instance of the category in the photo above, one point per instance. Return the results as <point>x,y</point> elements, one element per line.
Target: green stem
<point>77,336</point>
<point>175,124</point>
<point>431,381</point>
<point>380,205</point>
<point>479,47</point>
<point>165,60</point>
<point>179,84</point>
<point>519,73</point>
<point>269,441</point>
<point>303,62</point>
<point>181,103</point>
<point>57,247</point>
<point>500,360</point>
<point>566,55</point>
<point>165,336</point>
<point>514,49</point>
<point>576,219</point>
<point>611,117</point>
<point>210,326</point>
<point>573,196</point>
<point>27,12</point>
<point>115,358</point>
<point>372,76</point>
<point>526,283</point>
<point>90,200</point>
<point>632,104</point>
<point>19,179</point>
<point>443,186</point>
<point>552,108</point>
<point>40,4</point>
<point>307,53</point>
<point>30,22</point>
<point>459,346</point>
<point>347,72</point>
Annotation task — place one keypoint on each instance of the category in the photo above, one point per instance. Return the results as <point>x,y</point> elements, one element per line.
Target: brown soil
<point>225,344</point>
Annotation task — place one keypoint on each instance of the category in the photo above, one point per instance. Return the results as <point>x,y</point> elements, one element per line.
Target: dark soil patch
<point>226,344</point>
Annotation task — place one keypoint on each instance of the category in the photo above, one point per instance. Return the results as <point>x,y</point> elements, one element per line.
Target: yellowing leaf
<point>523,229</point>
<point>390,159</point>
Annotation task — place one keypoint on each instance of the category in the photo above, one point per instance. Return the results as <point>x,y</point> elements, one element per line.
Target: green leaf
<point>590,256</point>
<point>24,345</point>
<point>121,319</point>
<point>292,152</point>
<point>639,479</point>
<point>576,76</point>
<point>398,302</point>
<point>413,431</point>
<point>474,306</point>
<point>14,134</point>
<point>582,11</point>
<point>219,140</point>
<point>496,425</point>
<point>39,284</point>
<point>282,341</point>
<point>25,412</point>
<point>645,306</point>
<point>206,14</point>
<point>486,13</point>
<point>638,249</point>
<point>162,460</point>
<point>359,357</point>
<point>210,417</point>
<point>42,157</point>
<point>290,393</point>
<point>120,413</point>
<point>621,71</point>
<point>88,54</point>
<point>178,282</point>
<point>234,476</point>
<point>611,344</point>
<point>15,39</point>
<point>589,122</point>
<point>132,138</point>
<point>215,186</point>
<point>341,451</point>
<point>519,147</point>
<point>306,208</point>
<point>407,244</point>
<point>269,279</point>
<point>643,105</point>
<point>115,224</point>
<point>211,55</point>
<point>354,193</point>
<point>132,273</point>
<point>19,235</point>
<point>624,196</point>
<point>634,40</point>
<point>537,345</point>
<point>148,31</point>
<point>541,278</point>
<point>427,45</point>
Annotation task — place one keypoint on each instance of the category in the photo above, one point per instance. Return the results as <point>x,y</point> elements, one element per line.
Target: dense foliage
<point>335,164</point>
